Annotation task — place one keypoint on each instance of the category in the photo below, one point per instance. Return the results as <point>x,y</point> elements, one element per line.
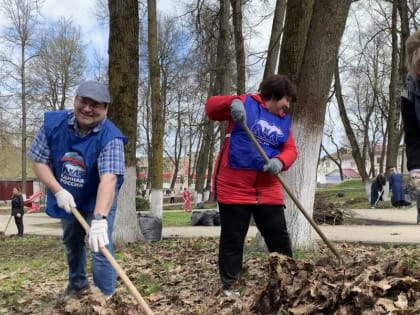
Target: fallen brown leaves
<point>179,276</point>
<point>370,282</point>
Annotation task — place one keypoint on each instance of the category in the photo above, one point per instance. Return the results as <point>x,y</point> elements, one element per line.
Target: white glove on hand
<point>274,166</point>
<point>414,185</point>
<point>237,111</point>
<point>98,235</point>
<point>65,200</point>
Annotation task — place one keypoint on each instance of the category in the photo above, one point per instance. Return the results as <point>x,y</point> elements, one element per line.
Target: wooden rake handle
<point>290,193</point>
<point>115,265</point>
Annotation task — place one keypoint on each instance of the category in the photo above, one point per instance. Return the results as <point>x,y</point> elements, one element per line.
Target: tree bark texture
<point>221,87</point>
<point>239,46</point>
<point>321,49</point>
<point>123,84</point>
<point>355,152</point>
<point>394,110</point>
<point>157,112</point>
<point>298,17</point>
<point>276,31</point>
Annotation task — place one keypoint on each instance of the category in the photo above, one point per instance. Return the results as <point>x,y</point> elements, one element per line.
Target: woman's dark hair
<point>18,191</point>
<point>275,87</point>
<point>381,179</point>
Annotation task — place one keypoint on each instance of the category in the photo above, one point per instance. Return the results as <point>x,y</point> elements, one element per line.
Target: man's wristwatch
<point>99,216</point>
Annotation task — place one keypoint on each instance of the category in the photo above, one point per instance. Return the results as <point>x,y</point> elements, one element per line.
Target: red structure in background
<point>30,202</point>
<point>7,185</point>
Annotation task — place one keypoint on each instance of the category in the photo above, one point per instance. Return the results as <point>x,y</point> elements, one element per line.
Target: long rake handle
<point>290,193</point>
<point>5,229</point>
<point>379,197</point>
<point>115,265</point>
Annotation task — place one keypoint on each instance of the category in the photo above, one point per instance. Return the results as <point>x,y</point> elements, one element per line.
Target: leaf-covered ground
<point>179,276</point>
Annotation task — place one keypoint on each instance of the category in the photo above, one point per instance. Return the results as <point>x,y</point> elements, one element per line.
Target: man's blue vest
<point>271,132</point>
<point>74,160</point>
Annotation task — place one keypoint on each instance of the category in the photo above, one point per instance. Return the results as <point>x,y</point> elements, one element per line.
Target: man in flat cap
<point>79,155</point>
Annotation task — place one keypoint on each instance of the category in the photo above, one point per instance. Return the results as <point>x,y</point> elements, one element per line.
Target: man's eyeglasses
<point>84,101</point>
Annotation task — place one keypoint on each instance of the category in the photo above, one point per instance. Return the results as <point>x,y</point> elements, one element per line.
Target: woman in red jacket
<point>243,184</point>
<point>186,195</point>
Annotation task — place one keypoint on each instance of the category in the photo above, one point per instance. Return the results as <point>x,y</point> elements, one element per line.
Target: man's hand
<point>414,184</point>
<point>65,200</point>
<point>237,111</point>
<point>274,166</point>
<point>98,235</point>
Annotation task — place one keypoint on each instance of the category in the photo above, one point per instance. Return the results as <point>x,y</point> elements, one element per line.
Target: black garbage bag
<point>196,217</point>
<point>151,227</point>
<point>207,219</point>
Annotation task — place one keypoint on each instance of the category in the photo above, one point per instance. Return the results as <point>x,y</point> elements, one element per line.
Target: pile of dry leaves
<point>367,283</point>
<point>179,276</point>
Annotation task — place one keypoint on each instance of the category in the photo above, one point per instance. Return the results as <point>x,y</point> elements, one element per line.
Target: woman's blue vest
<point>74,160</point>
<point>271,132</point>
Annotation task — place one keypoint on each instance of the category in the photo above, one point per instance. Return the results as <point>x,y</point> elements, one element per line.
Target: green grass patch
<point>347,184</point>
<point>55,225</point>
<point>146,283</point>
<point>355,196</point>
<point>176,219</point>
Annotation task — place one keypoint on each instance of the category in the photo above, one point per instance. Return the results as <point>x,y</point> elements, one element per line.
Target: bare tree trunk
<point>393,123</point>
<point>123,83</point>
<point>23,105</point>
<point>239,46</point>
<point>316,71</point>
<point>203,159</point>
<point>405,32</point>
<point>355,151</point>
<point>276,31</point>
<point>221,87</point>
<point>21,18</point>
<point>298,17</point>
<point>156,196</point>
<point>336,160</point>
<point>292,50</point>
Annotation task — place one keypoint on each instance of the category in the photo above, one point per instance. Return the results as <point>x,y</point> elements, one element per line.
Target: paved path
<point>398,226</point>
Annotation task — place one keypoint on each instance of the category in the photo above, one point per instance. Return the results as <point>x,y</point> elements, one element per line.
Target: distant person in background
<point>396,186</point>
<point>410,111</point>
<point>186,195</point>
<point>172,200</point>
<point>377,190</point>
<point>17,210</point>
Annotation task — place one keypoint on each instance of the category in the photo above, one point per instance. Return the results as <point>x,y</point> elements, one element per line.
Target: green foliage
<point>142,204</point>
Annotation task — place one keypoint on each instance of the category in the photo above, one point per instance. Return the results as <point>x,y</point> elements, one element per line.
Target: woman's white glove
<point>274,166</point>
<point>98,235</point>
<point>65,200</point>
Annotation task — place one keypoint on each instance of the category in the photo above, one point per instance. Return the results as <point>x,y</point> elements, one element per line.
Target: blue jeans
<point>104,275</point>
